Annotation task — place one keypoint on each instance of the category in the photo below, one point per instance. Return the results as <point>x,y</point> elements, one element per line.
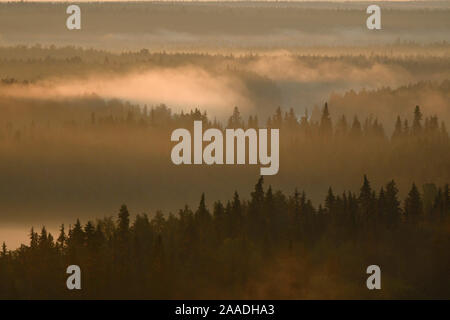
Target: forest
<point>272,245</point>
<point>83,157</point>
<point>86,176</point>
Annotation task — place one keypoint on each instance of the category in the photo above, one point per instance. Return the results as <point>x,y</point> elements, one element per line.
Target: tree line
<point>237,246</point>
<point>93,145</point>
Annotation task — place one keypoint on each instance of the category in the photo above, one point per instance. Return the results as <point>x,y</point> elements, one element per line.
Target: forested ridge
<point>396,76</point>
<point>57,155</point>
<point>272,245</point>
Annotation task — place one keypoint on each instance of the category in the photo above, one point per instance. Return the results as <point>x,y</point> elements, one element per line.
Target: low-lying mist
<point>183,88</point>
<point>75,142</point>
<point>256,83</point>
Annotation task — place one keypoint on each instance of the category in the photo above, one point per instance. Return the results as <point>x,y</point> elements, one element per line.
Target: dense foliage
<point>272,245</point>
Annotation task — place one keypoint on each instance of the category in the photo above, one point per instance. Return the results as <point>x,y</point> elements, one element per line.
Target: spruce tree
<point>325,121</point>
<point>413,205</point>
<point>417,126</point>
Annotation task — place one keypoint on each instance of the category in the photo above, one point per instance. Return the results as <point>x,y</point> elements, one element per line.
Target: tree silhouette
<point>167,254</point>
<point>413,205</point>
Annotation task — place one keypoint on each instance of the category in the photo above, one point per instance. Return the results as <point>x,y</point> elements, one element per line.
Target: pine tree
<point>256,221</point>
<point>235,121</point>
<point>392,204</point>
<point>124,221</point>
<point>235,217</point>
<point>277,119</point>
<point>202,214</point>
<point>325,121</point>
<point>398,128</point>
<point>219,212</point>
<point>4,250</point>
<point>304,124</point>
<point>257,195</point>
<point>61,241</point>
<point>330,200</point>
<point>77,235</point>
<point>89,231</point>
<point>413,205</point>
<point>417,126</point>
<point>43,238</point>
<point>366,199</point>
<point>291,119</point>
<point>33,239</point>
<point>382,205</point>
<point>269,203</point>
<point>297,205</point>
